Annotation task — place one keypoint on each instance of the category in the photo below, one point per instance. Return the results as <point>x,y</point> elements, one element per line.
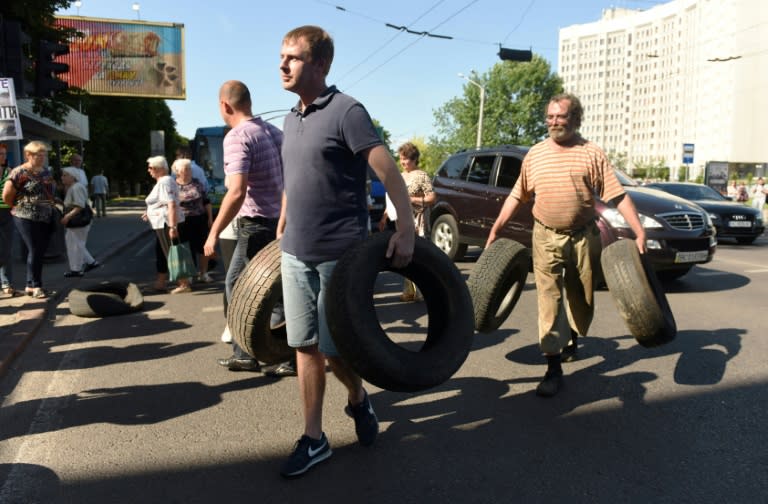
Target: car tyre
<point>638,294</point>
<point>746,240</point>
<point>256,293</point>
<point>104,299</point>
<point>497,281</point>
<point>362,342</point>
<point>445,235</point>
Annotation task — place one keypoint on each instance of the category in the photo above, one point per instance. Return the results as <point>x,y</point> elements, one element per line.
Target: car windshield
<point>693,192</point>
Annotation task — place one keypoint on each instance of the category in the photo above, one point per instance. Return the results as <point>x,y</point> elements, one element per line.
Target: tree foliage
<point>516,95</point>
<point>120,136</point>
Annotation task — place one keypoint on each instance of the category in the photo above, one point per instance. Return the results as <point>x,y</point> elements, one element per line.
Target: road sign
<point>688,153</point>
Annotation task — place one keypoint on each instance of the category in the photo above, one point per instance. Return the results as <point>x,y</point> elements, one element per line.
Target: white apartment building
<point>684,72</point>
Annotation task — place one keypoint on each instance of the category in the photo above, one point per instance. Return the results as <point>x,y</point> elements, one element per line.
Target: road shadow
<point>470,440</point>
<point>702,355</point>
<point>131,405</point>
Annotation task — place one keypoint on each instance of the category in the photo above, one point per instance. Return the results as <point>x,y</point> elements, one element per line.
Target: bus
<point>208,151</point>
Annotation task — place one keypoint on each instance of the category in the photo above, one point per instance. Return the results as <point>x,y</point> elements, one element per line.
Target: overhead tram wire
<point>385,44</point>
<point>522,18</point>
<point>420,35</point>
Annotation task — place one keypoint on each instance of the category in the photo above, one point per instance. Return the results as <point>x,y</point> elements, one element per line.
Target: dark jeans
<point>100,204</point>
<point>254,233</point>
<point>36,236</point>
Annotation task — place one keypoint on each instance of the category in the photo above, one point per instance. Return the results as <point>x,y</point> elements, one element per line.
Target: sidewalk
<point>21,316</point>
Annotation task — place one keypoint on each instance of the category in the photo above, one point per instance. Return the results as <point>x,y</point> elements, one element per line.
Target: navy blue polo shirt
<point>324,172</point>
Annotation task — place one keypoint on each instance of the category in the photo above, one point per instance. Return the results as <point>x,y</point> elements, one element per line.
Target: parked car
<point>732,219</point>
<point>472,184</point>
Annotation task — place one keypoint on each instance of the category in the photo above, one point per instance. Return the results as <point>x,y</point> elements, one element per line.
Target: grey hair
<point>158,162</point>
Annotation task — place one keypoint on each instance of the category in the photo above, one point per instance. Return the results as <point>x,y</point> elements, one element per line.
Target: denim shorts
<point>304,287</point>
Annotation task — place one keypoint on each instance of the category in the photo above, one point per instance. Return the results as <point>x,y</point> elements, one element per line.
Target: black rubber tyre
<point>105,299</point>
<point>496,282</point>
<point>255,294</point>
<point>746,240</point>
<point>445,235</point>
<point>362,342</point>
<point>638,294</point>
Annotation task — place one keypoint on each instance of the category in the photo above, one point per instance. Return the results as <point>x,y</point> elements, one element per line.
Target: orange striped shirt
<point>565,181</point>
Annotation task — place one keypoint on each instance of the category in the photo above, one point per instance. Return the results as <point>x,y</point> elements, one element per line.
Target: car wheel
<point>746,240</point>
<point>105,299</point>
<point>362,342</point>
<point>638,294</point>
<point>445,234</point>
<point>255,295</point>
<point>496,282</point>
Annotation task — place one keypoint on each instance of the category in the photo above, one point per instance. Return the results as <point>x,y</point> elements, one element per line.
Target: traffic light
<point>515,54</point>
<point>15,56</point>
<point>47,84</point>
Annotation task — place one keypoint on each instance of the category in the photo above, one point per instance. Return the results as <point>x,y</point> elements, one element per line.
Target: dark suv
<point>471,187</point>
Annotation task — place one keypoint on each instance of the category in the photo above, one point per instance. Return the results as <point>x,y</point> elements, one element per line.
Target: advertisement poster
<point>10,122</point>
<point>125,58</point>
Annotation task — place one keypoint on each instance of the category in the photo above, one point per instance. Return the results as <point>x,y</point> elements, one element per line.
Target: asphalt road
<point>135,409</point>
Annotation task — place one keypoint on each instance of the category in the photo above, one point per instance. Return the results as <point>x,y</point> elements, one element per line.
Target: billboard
<point>125,58</point>
<point>10,121</point>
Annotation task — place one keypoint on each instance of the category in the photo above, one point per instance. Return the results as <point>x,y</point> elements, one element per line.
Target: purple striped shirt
<point>253,148</point>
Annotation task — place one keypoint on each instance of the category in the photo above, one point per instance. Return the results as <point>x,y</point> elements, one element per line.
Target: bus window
<point>208,152</point>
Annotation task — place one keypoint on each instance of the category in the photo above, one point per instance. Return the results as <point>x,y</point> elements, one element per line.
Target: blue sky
<point>401,78</point>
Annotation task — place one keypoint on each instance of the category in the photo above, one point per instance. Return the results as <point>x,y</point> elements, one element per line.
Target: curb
<point>15,338</point>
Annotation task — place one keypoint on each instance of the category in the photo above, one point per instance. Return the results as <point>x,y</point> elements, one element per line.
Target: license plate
<point>739,224</point>
<point>686,257</point>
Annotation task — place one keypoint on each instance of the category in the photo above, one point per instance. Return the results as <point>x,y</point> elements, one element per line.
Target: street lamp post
<point>137,8</point>
<point>482,105</point>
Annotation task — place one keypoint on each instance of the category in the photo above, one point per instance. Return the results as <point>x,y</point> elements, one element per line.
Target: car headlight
<point>712,216</point>
<point>616,220</point>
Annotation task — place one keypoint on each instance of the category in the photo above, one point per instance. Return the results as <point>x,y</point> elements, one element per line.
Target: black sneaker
<point>551,384</point>
<point>307,453</point>
<point>73,274</point>
<point>366,423</point>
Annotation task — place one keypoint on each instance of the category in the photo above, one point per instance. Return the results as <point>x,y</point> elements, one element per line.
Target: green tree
<point>120,137</point>
<point>516,95</point>
<point>617,159</point>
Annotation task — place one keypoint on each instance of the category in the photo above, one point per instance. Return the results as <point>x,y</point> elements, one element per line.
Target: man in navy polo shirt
<point>329,141</point>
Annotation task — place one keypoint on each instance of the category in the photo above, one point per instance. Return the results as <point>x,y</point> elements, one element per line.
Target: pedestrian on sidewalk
<point>30,190</point>
<point>6,233</point>
<point>76,202</point>
<point>99,194</point>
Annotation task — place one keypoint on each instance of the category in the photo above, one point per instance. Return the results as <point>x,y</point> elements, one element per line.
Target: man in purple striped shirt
<point>254,180</point>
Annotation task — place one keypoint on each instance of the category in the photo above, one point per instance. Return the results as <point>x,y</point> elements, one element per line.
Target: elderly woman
<point>75,202</point>
<point>198,215</point>
<point>164,215</point>
<point>30,191</point>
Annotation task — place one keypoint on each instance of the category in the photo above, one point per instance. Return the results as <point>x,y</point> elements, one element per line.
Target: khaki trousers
<point>564,261</point>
